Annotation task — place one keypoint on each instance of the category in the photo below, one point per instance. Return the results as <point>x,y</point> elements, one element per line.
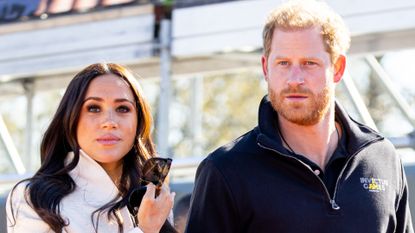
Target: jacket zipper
<point>344,168</point>
<point>333,203</point>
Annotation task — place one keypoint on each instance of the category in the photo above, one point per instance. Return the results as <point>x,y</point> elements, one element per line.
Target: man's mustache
<point>296,90</point>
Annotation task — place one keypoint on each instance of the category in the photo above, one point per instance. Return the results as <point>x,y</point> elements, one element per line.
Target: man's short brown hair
<point>297,14</point>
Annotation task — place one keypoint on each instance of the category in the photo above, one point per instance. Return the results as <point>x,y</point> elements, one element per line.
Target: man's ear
<point>264,63</point>
<point>339,67</point>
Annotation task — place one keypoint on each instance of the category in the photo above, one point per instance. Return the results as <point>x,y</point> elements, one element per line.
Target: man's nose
<point>296,76</point>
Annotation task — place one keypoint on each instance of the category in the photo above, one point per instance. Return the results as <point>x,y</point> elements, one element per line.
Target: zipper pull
<point>334,205</point>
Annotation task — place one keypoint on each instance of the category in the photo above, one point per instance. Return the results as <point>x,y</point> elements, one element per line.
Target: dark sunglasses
<point>155,170</point>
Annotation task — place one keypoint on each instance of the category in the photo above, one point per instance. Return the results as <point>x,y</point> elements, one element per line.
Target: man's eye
<point>123,109</point>
<point>283,63</point>
<point>93,108</point>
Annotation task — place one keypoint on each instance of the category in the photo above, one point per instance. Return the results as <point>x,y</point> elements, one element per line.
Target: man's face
<point>300,75</point>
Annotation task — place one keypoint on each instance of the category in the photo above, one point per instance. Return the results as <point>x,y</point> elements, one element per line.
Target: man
<point>307,166</point>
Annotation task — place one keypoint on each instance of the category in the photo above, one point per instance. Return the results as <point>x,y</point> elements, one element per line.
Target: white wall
<point>236,25</point>
<point>66,45</point>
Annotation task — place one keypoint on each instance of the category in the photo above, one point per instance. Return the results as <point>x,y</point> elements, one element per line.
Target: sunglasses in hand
<point>155,170</point>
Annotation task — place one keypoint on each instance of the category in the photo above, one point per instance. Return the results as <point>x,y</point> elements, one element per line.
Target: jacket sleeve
<point>21,218</point>
<point>403,213</point>
<point>212,207</point>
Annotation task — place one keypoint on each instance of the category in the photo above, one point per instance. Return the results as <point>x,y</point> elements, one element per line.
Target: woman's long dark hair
<point>52,182</point>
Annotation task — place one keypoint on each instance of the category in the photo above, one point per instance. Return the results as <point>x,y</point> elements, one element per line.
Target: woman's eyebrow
<point>93,98</point>
<point>123,100</point>
<point>118,100</point>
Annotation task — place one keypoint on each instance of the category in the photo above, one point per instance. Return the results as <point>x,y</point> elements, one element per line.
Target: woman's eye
<point>123,109</point>
<point>93,108</point>
<point>310,63</point>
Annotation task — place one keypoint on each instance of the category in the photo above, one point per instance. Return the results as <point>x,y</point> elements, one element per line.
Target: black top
<point>252,185</point>
<point>334,165</point>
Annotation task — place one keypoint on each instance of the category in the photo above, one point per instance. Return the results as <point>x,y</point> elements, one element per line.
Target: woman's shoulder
<point>21,217</point>
<point>18,195</point>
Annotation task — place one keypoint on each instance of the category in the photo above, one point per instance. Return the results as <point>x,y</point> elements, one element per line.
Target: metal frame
<point>28,86</point>
<point>11,148</point>
<point>384,78</point>
<point>165,88</point>
<point>357,100</point>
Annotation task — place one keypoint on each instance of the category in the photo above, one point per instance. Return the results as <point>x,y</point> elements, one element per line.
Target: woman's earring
<point>135,148</point>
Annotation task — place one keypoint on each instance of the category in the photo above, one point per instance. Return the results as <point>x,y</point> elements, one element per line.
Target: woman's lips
<point>108,140</point>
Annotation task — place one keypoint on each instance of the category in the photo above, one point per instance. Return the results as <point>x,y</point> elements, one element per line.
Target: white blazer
<point>94,188</point>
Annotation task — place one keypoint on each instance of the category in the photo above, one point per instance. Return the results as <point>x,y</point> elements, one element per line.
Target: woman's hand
<point>153,211</point>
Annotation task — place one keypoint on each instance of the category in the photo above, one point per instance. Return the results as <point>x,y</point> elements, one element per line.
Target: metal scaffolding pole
<point>165,88</point>
<point>196,113</point>
<point>11,148</point>
<point>28,87</point>
<point>357,101</point>
<point>391,88</point>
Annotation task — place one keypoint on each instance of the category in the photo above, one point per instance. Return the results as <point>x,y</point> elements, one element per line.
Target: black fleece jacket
<point>252,185</point>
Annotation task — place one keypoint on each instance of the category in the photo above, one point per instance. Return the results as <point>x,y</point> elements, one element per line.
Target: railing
<point>183,170</point>
<point>407,141</point>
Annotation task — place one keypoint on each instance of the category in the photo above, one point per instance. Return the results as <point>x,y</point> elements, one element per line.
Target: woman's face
<point>108,121</point>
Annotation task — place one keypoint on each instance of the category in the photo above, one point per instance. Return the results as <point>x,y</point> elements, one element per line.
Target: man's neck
<point>315,142</point>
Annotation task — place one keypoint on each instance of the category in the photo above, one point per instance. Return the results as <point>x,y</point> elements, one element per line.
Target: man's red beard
<point>308,112</point>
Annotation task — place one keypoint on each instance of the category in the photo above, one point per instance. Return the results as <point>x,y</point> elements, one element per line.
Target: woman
<point>91,159</point>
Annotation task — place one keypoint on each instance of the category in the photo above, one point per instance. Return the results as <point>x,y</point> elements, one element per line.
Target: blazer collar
<point>92,179</point>
<point>95,186</point>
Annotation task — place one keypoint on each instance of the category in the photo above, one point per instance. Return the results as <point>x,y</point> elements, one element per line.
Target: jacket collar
<point>92,179</point>
<point>359,135</point>
<point>95,186</point>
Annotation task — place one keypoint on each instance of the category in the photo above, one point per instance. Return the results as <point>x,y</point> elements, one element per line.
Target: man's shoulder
<point>234,152</point>
<point>226,163</point>
<point>383,148</point>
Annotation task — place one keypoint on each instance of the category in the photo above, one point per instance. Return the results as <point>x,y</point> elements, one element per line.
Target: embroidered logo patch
<point>374,184</point>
